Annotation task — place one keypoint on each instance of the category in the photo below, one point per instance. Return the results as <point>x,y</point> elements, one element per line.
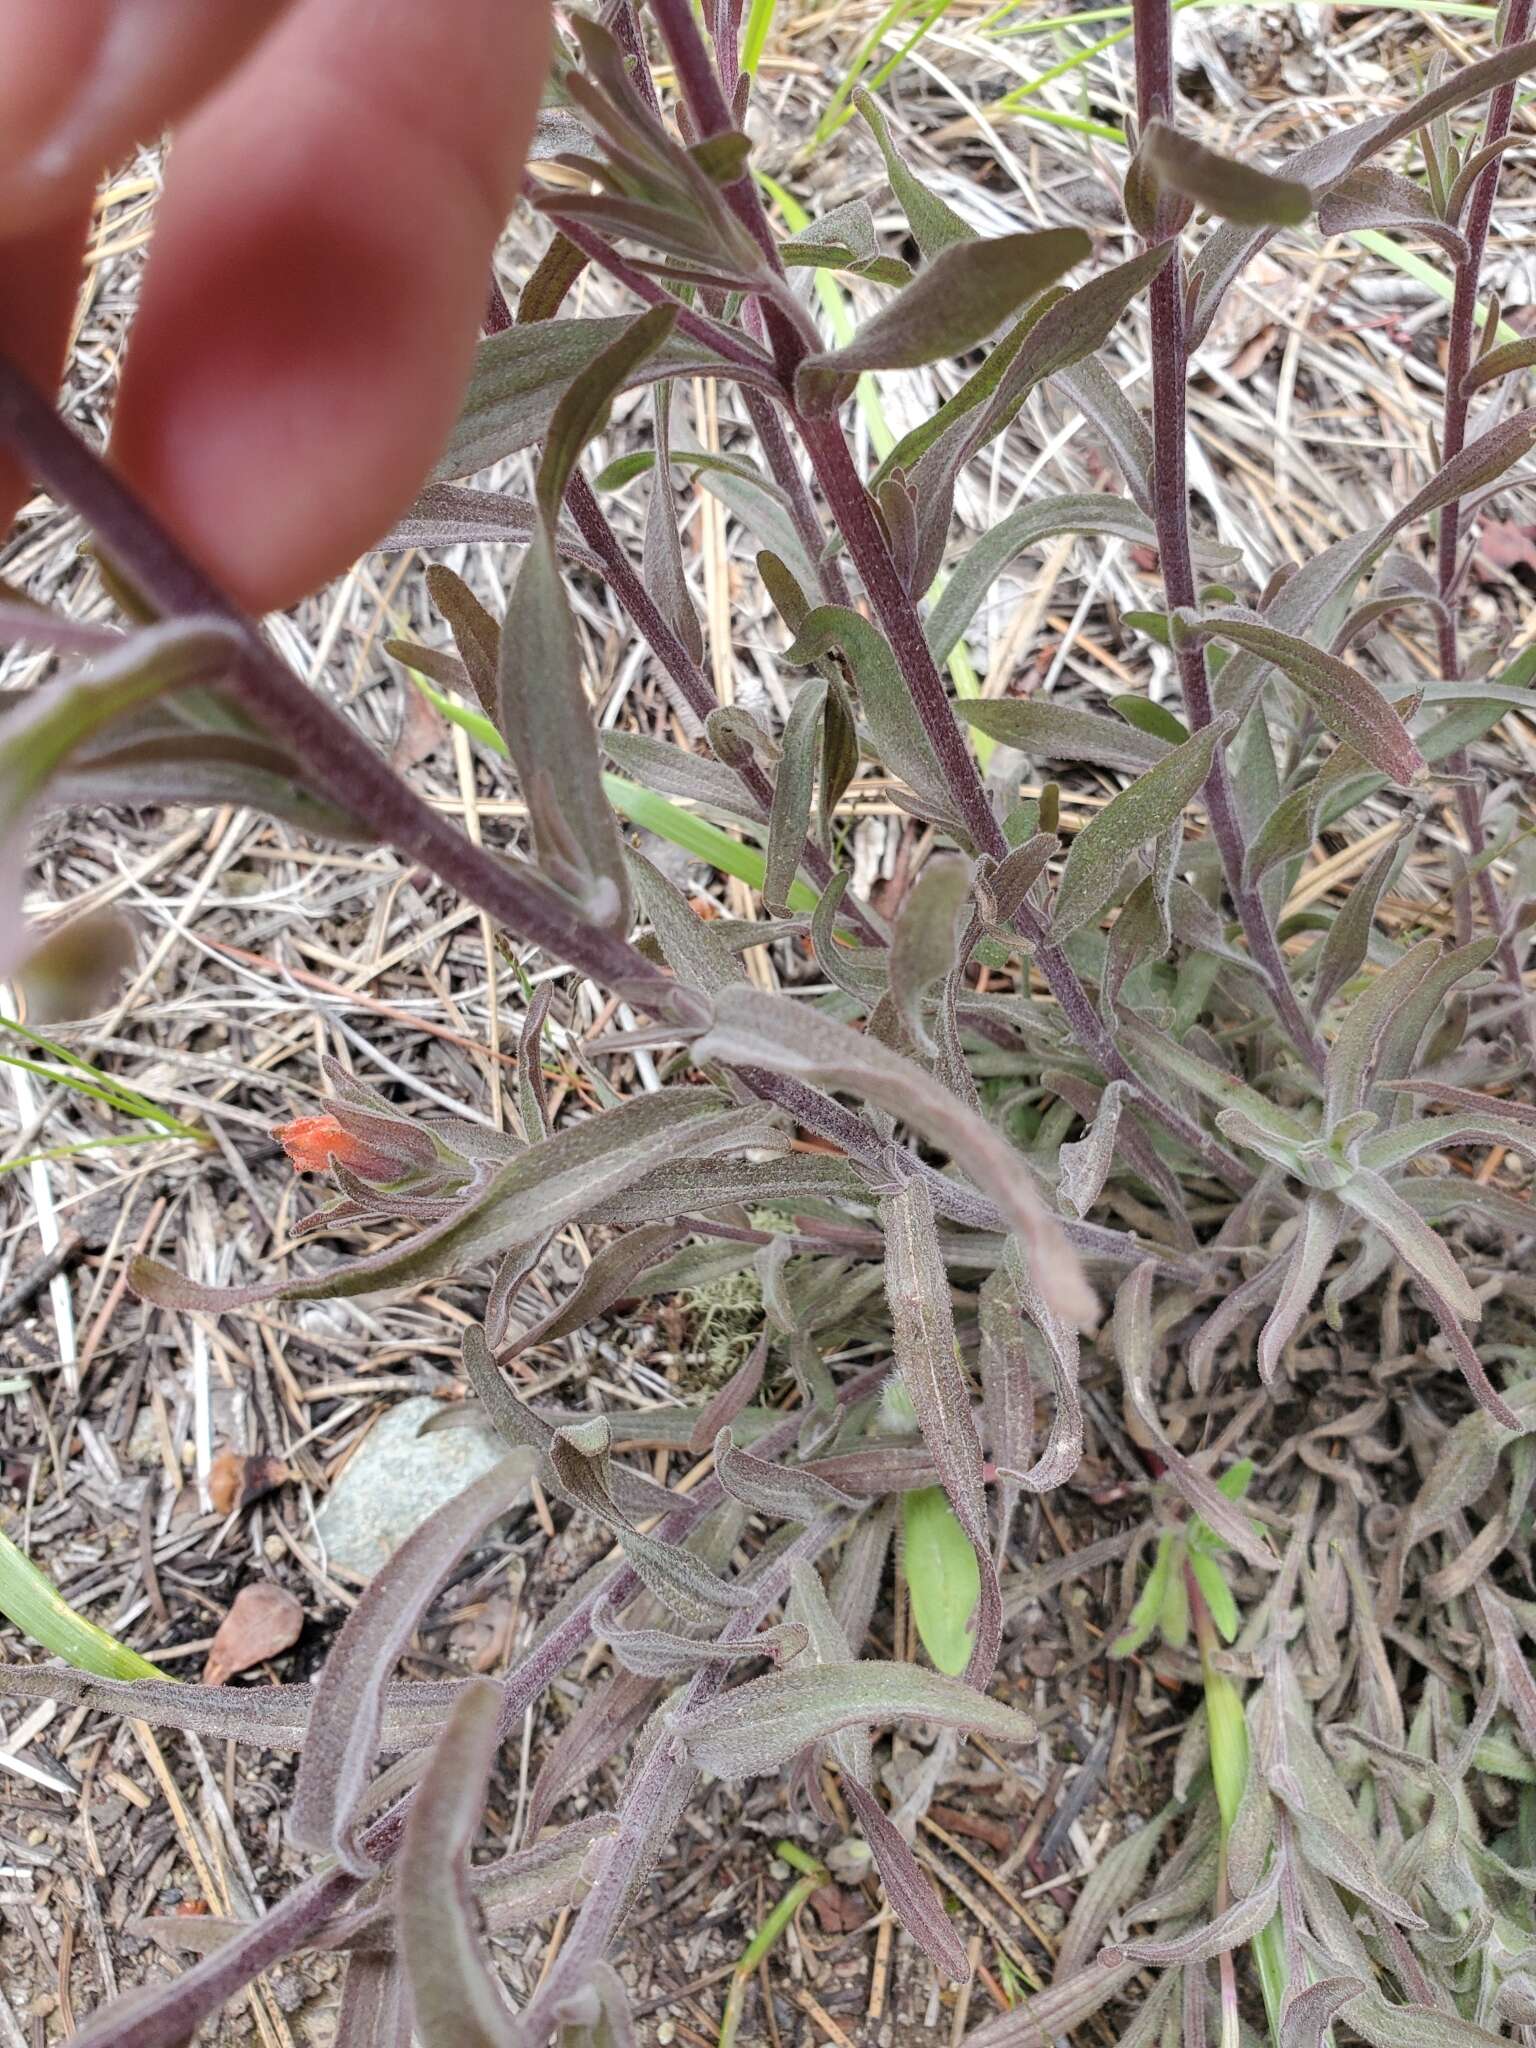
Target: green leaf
<point>1152,804</point>
<point>952,304</point>
<point>928,1360</point>
<point>521,374</point>
<point>884,698</point>
<point>1149,1605</point>
<point>926,941</point>
<point>1347,704</point>
<point>1221,184</point>
<point>935,225</point>
<point>1060,732</point>
<point>1218,1594</point>
<point>33,1603</point>
<point>790,818</point>
<point>1040,520</point>
<point>943,1577</point>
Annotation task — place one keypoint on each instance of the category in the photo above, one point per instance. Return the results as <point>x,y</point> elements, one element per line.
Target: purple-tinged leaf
<point>1375,198</point>
<point>1422,1251</point>
<point>456,2000</point>
<point>755,1729</point>
<point>584,1472</point>
<point>521,1426</point>
<point>608,1716</point>
<point>1220,184</point>
<point>1152,805</point>
<point>739,1391</point>
<point>1309,2012</point>
<point>346,1719</point>
<point>1086,1165</point>
<point>1229,1930</point>
<point>596,2014</point>
<point>1042,519</point>
<point>953,303</point>
<point>1504,361</point>
<point>1054,2012</point>
<point>913,1898</point>
<point>928,1359</point>
<point>926,941</point>
<point>1514,1672</point>
<point>608,1277</point>
<point>1059,1343</point>
<point>843,238</point>
<point>695,952</point>
<point>786,1493</point>
<point>790,818</point>
<point>521,375</point>
<point>884,698</point>
<point>826,1643</point>
<point>662,1653</point>
<point>375,2005</point>
<point>454,515</point>
<point>1007,1393</point>
<point>1135,1347</point>
<point>855,1589</point>
<point>1386,1151</point>
<point>754,1029</point>
<point>476,633</point>
<point>1349,936</point>
<point>543,710</point>
<point>662,560</point>
<point>541,1187</point>
<point>1111,1887</point>
<point>1317,1238</point>
<point>1405,1032</point>
<point>662,767</point>
<point>1354,1051</point>
<point>271,1716</point>
<point>1484,1392</point>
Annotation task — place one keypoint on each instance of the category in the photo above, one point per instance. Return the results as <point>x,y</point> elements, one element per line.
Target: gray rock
<point>398,1477</point>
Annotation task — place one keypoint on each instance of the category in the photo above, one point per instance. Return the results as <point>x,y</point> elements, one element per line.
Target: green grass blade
<point>759,27</point>
<point>642,807</point>
<point>32,1602</point>
<point>101,1085</point>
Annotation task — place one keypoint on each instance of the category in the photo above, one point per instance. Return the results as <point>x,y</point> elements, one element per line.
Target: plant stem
<point>779,1917</point>
<point>851,509</point>
<point>1170,507</point>
<point>1453,436</point>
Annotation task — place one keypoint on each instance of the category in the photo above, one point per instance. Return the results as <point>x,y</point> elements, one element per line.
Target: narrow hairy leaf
<point>1085,1166</point>
<point>1135,1349</point>
<point>1347,703</point>
<point>1420,1248</point>
<point>789,1493</point>
<point>953,303</point>
<point>913,1898</point>
<point>1153,803</point>
<point>884,699</point>
<point>790,819</point>
<point>347,1715</point>
<point>1040,520</point>
<point>935,225</point>
<point>1222,184</point>
<point>758,1727</point>
<point>926,941</point>
<point>454,1997</point>
<point>754,1029</point>
<point>1061,732</point>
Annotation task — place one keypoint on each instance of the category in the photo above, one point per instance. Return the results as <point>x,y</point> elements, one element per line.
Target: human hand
<point>339,173</point>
